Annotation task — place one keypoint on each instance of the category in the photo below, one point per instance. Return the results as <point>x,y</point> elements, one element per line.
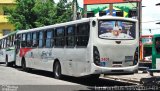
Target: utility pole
<point>111,9</point>
<point>74,9</point>
<point>150,30</point>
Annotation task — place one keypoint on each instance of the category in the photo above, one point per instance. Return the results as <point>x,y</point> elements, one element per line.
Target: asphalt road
<point>38,80</point>
<point>12,76</point>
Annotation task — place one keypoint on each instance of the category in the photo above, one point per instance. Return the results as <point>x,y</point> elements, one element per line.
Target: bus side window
<point>48,39</point>
<point>4,46</point>
<point>23,42</point>
<point>10,43</point>
<point>70,36</point>
<point>7,42</point>
<point>17,43</point>
<point>13,39</point>
<point>35,41</point>
<point>52,40</point>
<point>157,45</point>
<point>0,44</point>
<point>29,40</point>
<point>59,37</point>
<point>41,39</point>
<point>82,34</point>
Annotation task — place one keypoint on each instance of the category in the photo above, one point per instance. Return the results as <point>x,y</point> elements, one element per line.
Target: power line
<point>151,29</point>
<point>150,21</point>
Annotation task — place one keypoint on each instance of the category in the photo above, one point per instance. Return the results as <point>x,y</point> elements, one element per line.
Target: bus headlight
<point>136,57</point>
<point>96,56</point>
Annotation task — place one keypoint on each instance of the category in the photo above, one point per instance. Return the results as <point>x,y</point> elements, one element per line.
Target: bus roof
<point>53,26</point>
<point>13,32</point>
<point>74,22</point>
<point>9,34</point>
<point>115,17</point>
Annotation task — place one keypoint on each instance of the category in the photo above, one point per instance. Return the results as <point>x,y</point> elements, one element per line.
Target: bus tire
<point>57,70</point>
<point>6,61</point>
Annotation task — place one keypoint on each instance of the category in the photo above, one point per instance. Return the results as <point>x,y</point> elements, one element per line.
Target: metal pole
<point>111,9</point>
<point>74,10</point>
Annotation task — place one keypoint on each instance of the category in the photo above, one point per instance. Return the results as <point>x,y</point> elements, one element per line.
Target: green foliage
<point>36,13</point>
<point>22,16</point>
<point>45,12</point>
<point>64,11</point>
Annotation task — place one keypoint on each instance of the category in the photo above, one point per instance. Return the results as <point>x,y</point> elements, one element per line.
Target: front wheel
<point>57,70</point>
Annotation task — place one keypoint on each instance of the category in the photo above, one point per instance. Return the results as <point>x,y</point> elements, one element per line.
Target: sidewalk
<point>133,78</point>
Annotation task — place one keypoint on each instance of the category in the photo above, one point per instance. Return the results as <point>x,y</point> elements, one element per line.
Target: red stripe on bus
<point>23,51</point>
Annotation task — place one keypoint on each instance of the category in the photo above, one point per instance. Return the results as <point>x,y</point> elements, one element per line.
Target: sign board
<point>108,1</point>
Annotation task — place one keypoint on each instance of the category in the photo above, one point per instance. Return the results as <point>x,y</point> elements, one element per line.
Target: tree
<point>64,11</point>
<point>46,13</point>
<point>22,17</point>
<point>36,13</point>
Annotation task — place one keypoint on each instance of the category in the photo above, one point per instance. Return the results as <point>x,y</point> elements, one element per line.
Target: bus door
<point>156,53</point>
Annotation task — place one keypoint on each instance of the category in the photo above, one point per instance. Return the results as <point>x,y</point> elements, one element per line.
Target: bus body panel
<point>10,52</point>
<point>114,56</point>
<point>72,60</point>
<point>2,55</point>
<point>7,48</point>
<point>120,52</point>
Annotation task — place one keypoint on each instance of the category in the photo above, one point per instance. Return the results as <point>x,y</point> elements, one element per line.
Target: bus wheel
<point>6,61</point>
<point>57,70</point>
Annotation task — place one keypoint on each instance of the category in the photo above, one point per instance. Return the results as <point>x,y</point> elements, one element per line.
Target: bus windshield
<point>116,29</point>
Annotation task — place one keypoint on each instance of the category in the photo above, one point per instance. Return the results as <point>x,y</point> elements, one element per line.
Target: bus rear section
<point>115,49</point>
<point>7,49</point>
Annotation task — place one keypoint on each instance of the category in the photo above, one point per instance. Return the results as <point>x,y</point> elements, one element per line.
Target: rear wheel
<point>57,70</point>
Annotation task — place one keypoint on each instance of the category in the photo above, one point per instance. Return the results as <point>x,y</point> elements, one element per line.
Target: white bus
<point>90,46</point>
<point>7,49</point>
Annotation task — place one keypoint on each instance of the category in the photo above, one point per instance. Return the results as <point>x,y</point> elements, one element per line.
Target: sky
<point>150,16</point>
<point>150,13</point>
